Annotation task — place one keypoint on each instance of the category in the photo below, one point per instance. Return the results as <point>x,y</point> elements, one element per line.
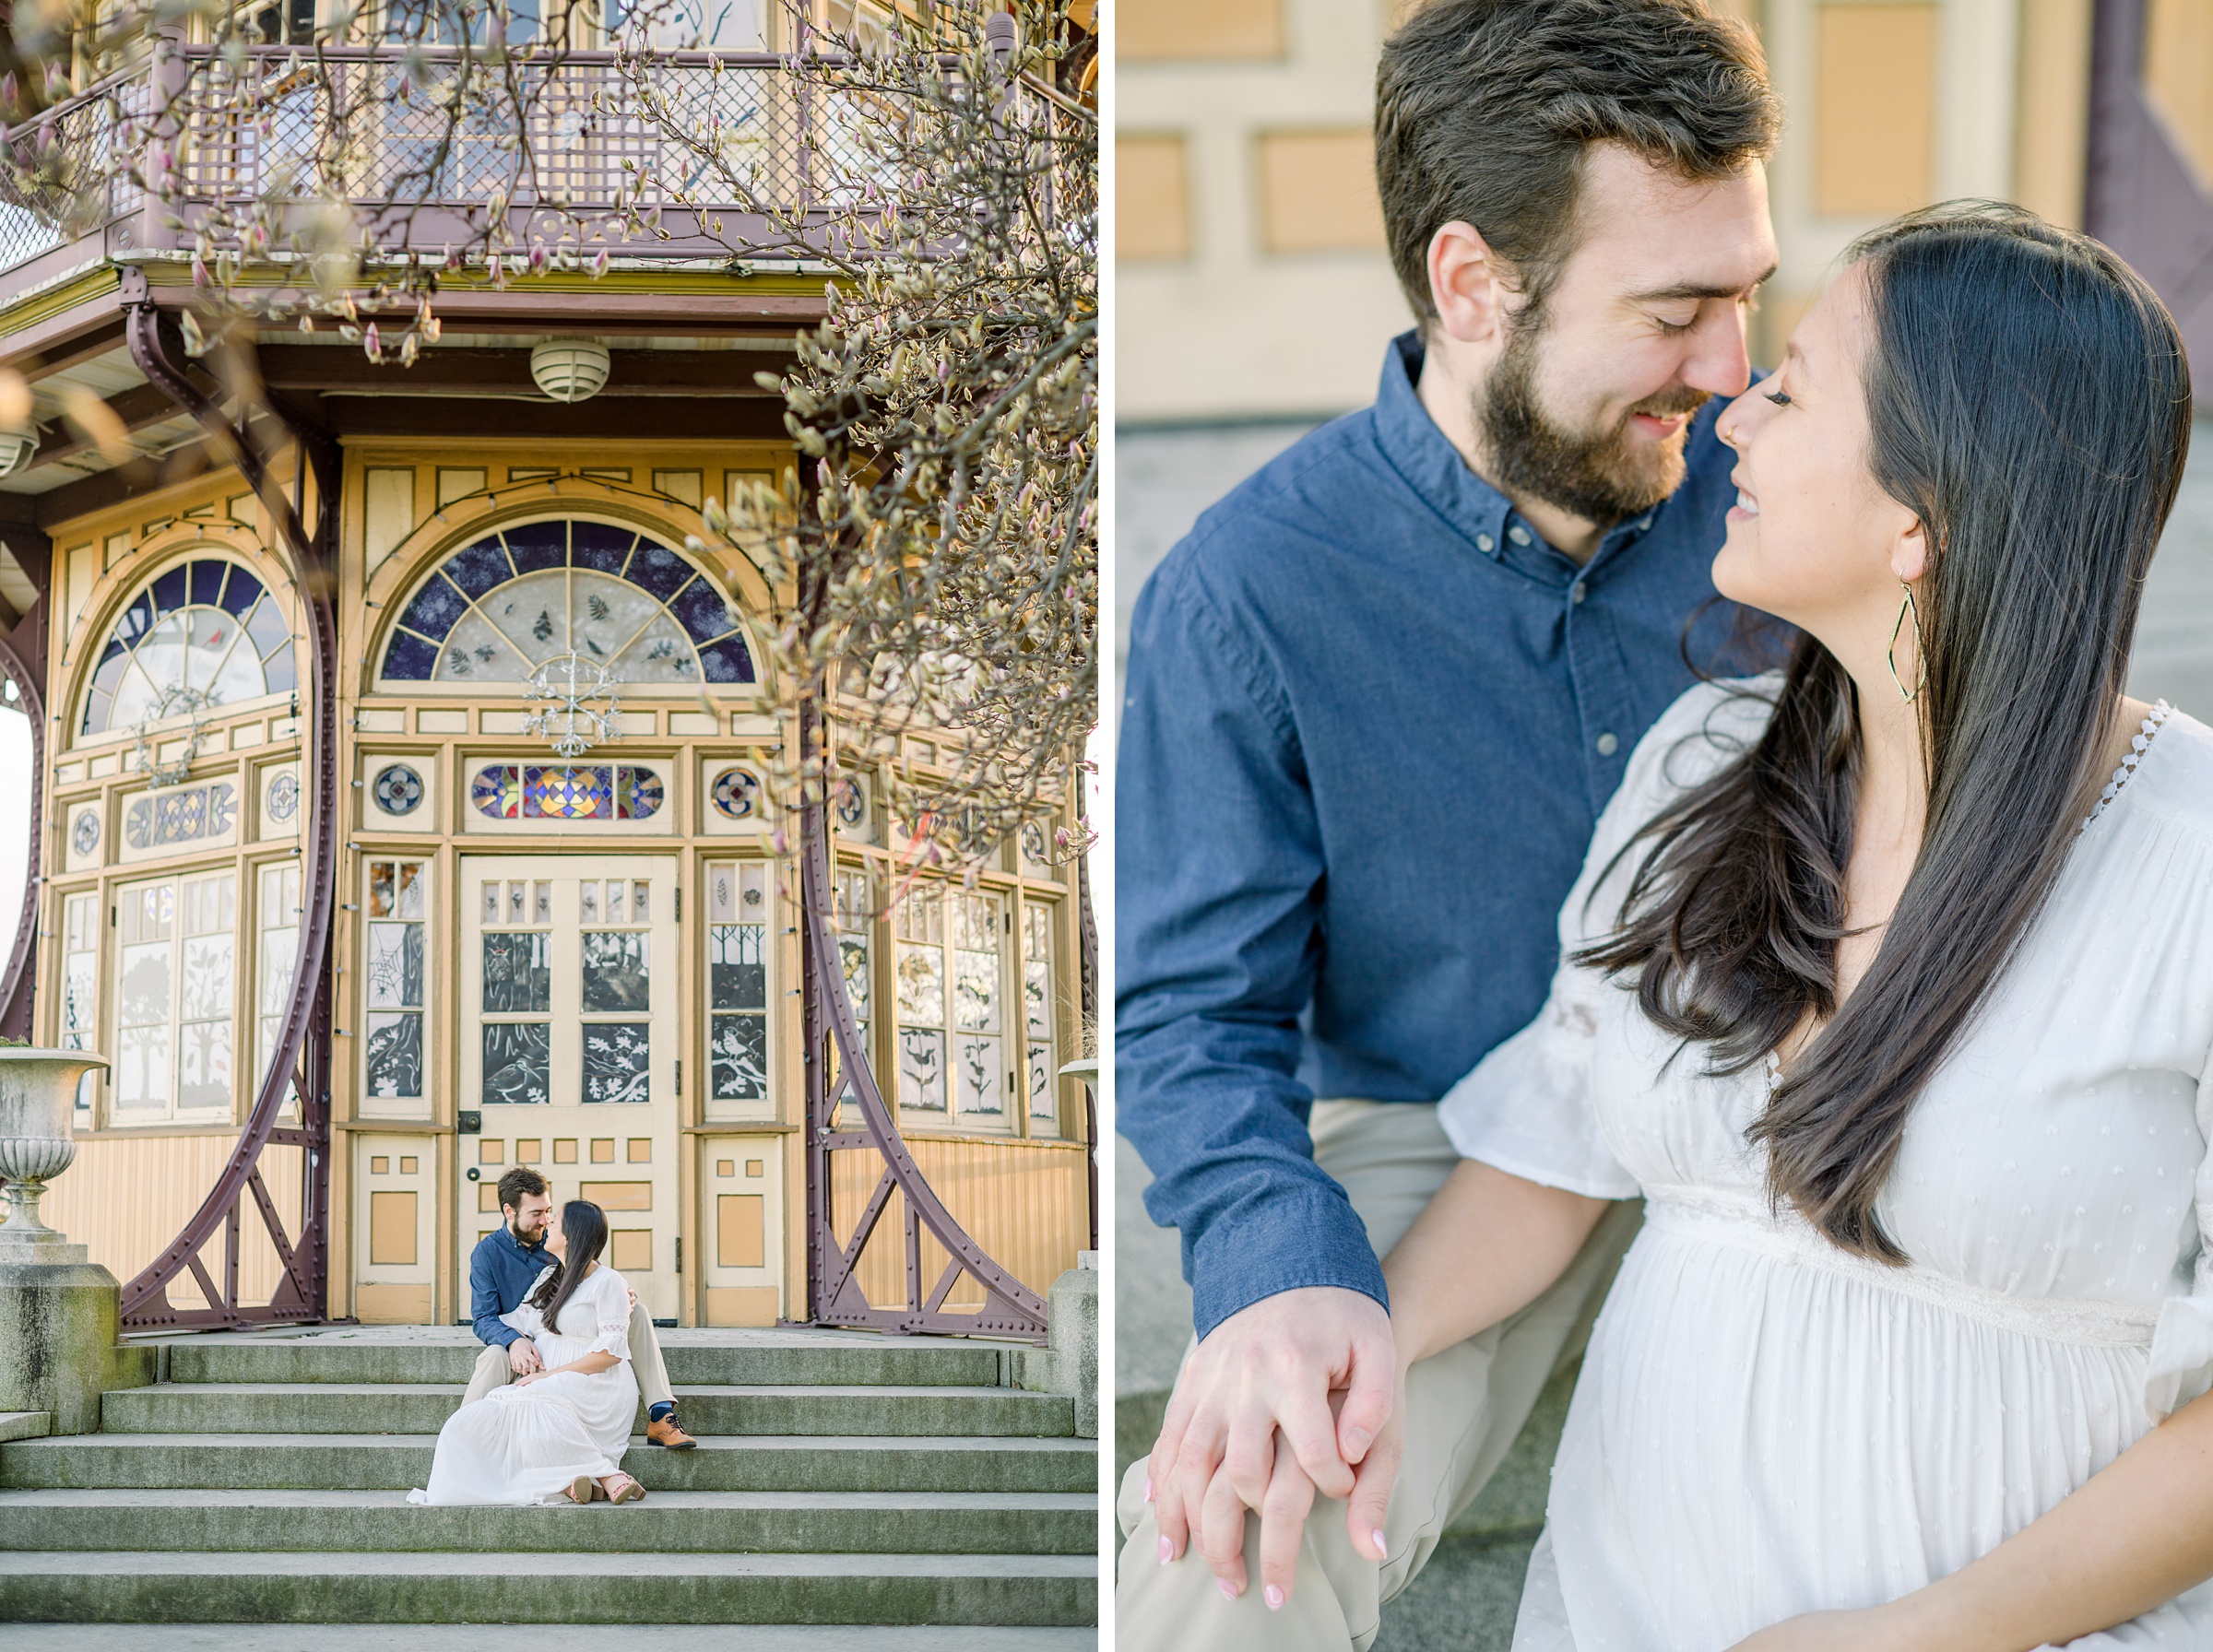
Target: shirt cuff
<point>1293,1241</point>
<point>501,1335</point>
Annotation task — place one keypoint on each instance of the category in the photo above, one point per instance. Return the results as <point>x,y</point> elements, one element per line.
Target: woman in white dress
<point>559,1432</point>
<point>1889,984</point>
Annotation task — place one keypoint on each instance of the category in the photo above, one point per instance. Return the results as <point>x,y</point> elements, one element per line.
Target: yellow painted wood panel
<point>391,1228</point>
<point>742,1305</point>
<point>2178,78</point>
<point>1151,196</point>
<point>2051,142</point>
<point>126,1196</point>
<point>630,1250</point>
<point>741,1229</point>
<point>1167,30</point>
<point>1875,109</point>
<point>618,1196</point>
<point>1024,1205</point>
<point>392,1305</point>
<point>1318,192</point>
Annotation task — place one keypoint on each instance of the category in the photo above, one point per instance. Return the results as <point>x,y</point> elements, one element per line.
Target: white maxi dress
<point>1766,1426</point>
<point>527,1443</point>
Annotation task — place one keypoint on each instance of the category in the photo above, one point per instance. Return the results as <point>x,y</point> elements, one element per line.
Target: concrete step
<point>153,1586</point>
<point>722,1463</point>
<point>791,1361</point>
<point>422,1408</point>
<point>557,1637</point>
<point>664,1523</point>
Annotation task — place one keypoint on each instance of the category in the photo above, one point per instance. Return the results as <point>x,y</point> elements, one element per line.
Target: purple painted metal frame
<point>22,961</point>
<point>301,1058</point>
<point>1011,1308</point>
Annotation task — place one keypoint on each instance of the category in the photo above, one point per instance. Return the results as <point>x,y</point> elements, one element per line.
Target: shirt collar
<point>1434,468</point>
<point>529,1253</point>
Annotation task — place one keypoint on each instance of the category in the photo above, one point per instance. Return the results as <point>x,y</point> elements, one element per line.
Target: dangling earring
<point>1921,658</point>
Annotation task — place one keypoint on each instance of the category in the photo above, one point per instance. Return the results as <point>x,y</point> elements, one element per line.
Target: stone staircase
<point>840,1478</point>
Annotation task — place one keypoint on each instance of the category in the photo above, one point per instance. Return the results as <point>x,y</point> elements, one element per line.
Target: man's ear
<point>1464,284</point>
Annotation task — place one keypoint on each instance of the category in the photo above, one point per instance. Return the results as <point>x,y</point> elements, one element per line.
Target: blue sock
<point>659,1408</point>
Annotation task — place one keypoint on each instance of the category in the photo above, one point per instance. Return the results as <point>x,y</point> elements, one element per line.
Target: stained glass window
<point>202,634</point>
<point>498,609</point>
<point>1038,1016</point>
<point>178,958</point>
<point>952,1019</point>
<point>738,981</point>
<point>392,973</point>
<point>594,792</point>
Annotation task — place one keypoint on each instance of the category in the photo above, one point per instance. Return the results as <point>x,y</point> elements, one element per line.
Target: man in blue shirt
<point>502,1269</point>
<point>1375,703</point>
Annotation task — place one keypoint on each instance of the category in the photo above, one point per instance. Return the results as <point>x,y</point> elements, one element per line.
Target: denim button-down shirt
<point>1370,720</point>
<point>500,1271</point>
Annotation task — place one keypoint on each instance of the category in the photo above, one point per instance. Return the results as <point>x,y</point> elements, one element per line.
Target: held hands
<point>523,1358</point>
<point>1293,1397</point>
<point>529,1377</point>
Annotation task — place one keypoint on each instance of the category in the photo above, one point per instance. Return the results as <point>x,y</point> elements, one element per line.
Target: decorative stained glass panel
<point>204,634</point>
<point>518,973</point>
<point>614,968</point>
<point>617,1058</point>
<point>497,609</point>
<point>517,1063</point>
<point>566,792</point>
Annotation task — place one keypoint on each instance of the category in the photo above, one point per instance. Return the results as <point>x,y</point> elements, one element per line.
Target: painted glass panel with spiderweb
<point>202,634</point>
<point>498,609</point>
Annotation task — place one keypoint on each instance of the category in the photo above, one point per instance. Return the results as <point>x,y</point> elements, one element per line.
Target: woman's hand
<point>529,1377</point>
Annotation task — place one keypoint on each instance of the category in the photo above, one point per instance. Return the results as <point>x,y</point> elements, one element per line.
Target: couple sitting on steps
<point>549,1411</point>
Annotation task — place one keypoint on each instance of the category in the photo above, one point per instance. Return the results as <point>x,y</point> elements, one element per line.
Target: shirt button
<point>1607,745</point>
<point>1518,534</point>
<point>1578,593</point>
<point>1643,522</point>
<point>1485,542</point>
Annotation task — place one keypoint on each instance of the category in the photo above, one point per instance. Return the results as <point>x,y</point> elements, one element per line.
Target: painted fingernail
<point>1382,1550</point>
<point>1358,1439</point>
<point>1167,1552</point>
<point>1229,1590</point>
<point>1275,1596</point>
<point>1148,1487</point>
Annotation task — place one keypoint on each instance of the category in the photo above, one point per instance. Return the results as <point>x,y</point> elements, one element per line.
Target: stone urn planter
<point>58,1308</point>
<point>38,1139</point>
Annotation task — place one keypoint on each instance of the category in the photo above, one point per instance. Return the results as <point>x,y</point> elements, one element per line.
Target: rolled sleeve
<point>1219,869</point>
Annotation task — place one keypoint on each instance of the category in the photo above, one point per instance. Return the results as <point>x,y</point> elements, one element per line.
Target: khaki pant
<point>1463,1409</point>
<point>492,1368</point>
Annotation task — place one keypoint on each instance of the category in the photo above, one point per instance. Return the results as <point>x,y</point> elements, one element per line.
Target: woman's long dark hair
<point>2028,401</point>
<point>584,1225</point>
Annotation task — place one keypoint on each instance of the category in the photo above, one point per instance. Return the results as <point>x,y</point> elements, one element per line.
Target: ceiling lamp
<point>15,448</point>
<point>568,370</point>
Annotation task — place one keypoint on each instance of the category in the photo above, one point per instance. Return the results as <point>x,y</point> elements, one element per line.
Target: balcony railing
<point>272,124</point>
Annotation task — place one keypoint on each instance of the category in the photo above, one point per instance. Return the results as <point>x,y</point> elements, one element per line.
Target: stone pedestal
<point>58,1326</point>
<point>58,1308</point>
<point>1068,1363</point>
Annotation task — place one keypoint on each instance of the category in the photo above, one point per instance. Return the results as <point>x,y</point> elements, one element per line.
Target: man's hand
<point>522,1357</point>
<point>1275,1366</point>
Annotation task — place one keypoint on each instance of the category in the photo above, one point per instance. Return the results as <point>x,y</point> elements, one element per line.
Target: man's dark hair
<point>517,1184</point>
<point>1485,109</point>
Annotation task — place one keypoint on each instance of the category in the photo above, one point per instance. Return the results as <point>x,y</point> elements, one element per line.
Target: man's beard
<point>1598,476</point>
<point>523,1236</point>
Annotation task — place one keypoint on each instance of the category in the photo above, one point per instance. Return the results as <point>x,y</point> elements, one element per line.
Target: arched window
<point>204,633</point>
<point>500,608</point>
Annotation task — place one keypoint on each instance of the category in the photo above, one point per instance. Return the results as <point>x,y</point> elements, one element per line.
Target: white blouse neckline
<point>2138,746</point>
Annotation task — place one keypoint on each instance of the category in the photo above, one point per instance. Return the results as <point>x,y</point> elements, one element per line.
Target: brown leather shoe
<point>670,1432</point>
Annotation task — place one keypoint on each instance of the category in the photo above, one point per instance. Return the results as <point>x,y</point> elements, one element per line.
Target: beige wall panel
<point>392,1305</point>
<point>387,510</point>
<point>2051,144</point>
<point>1875,140</point>
<point>126,1196</point>
<point>1174,31</point>
<point>1026,1205</point>
<point>392,1229</point>
<point>1151,196</point>
<point>742,1305</point>
<point>1318,192</point>
<point>2178,78</point>
<point>630,1250</point>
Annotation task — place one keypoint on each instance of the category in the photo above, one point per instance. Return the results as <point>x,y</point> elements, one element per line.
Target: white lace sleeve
<point>611,1302</point>
<point>1528,1107</point>
<point>2181,1369</point>
<point>525,1318</point>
